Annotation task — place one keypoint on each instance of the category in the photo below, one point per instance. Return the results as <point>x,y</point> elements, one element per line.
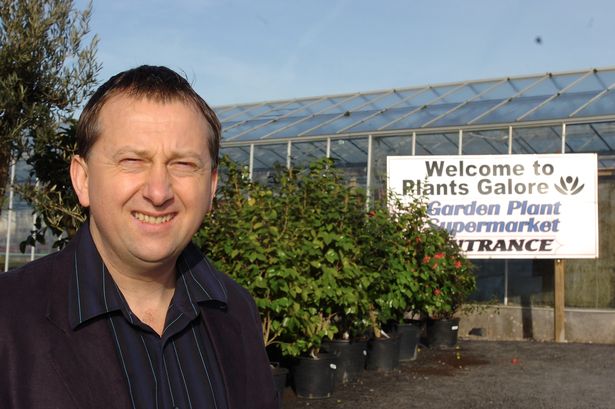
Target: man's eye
<point>185,165</point>
<point>131,162</point>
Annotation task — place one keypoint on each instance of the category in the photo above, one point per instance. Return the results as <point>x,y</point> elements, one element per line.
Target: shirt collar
<point>93,292</point>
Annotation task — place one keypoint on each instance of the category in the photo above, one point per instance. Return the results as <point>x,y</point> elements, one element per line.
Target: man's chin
<point>151,258</point>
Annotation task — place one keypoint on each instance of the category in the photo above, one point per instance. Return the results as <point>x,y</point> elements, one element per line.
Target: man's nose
<point>158,188</point>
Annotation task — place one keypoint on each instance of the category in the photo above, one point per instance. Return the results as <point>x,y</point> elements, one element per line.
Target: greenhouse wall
<point>527,282</point>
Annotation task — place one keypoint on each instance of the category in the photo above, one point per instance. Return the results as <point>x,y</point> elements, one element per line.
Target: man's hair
<point>159,84</point>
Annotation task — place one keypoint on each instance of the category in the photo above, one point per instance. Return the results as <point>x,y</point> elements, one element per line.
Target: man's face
<point>147,181</point>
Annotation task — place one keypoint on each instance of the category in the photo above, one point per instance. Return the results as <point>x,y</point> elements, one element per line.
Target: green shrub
<point>319,266</point>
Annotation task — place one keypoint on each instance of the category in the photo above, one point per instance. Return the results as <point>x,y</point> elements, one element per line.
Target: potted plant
<point>447,282</point>
<point>290,244</point>
<point>390,275</point>
<point>335,211</point>
<point>241,237</point>
<point>325,211</point>
<point>442,278</point>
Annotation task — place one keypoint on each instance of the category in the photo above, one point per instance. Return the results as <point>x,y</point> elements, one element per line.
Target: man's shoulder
<point>237,296</point>
<point>231,287</point>
<point>29,282</point>
<point>32,268</point>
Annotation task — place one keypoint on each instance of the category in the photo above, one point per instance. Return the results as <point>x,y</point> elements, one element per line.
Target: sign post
<point>559,320</point>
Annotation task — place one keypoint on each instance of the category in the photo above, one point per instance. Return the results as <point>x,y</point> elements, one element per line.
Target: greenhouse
<point>569,112</point>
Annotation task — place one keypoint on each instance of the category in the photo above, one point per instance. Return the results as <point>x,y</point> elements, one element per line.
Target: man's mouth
<point>152,219</point>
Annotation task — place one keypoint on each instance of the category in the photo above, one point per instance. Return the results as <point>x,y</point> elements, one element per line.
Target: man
<point>129,314</point>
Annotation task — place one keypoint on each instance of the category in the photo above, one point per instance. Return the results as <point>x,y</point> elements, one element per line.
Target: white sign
<point>507,206</point>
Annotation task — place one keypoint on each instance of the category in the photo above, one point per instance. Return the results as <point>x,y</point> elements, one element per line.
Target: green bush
<point>291,243</point>
<point>319,266</point>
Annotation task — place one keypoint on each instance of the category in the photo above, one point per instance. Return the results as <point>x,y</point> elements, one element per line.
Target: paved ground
<point>484,374</point>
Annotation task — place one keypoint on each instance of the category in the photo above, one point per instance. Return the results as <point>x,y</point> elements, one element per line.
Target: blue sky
<point>236,51</point>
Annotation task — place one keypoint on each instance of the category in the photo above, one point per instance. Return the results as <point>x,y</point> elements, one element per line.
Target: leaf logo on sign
<point>569,185</point>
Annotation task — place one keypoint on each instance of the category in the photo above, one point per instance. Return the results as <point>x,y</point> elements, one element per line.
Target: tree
<point>47,69</point>
<point>52,196</point>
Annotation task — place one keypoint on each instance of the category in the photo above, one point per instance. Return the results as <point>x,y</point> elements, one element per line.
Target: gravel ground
<point>485,374</point>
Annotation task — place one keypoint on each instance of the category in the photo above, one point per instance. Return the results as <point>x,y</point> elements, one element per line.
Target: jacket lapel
<point>85,359</point>
<point>226,338</point>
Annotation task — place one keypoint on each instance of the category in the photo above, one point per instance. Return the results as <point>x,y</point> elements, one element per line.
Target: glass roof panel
<point>451,95</point>
<point>340,123</point>
<point>544,88</point>
<point>509,88</point>
<point>234,111</point>
<point>510,111</point>
<point>463,114</point>
<point>259,111</point>
<point>251,113</point>
<point>398,99</point>
<point>590,84</point>
<point>269,127</point>
<point>559,107</point>
<point>380,120</point>
<point>551,85</point>
<point>350,104</point>
<point>468,91</point>
<point>384,100</point>
<point>305,106</point>
<point>390,112</point>
<point>323,105</point>
<point>221,110</point>
<point>606,77</point>
<point>270,123</point>
<point>230,134</point>
<point>541,97</point>
<point>302,126</point>
<point>230,124</point>
<point>293,107</point>
<point>275,110</point>
<point>480,87</point>
<point>366,100</point>
<point>414,98</point>
<point>431,95</point>
<point>420,117</point>
<point>604,105</point>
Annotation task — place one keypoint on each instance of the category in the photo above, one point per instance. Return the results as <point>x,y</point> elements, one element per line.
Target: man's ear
<point>213,186</point>
<point>79,177</point>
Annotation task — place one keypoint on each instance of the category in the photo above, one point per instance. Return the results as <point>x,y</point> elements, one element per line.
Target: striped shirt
<point>175,370</point>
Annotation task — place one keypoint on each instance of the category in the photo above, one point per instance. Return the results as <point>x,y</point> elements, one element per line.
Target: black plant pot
<point>409,337</point>
<point>350,358</point>
<point>315,378</point>
<point>383,353</point>
<point>279,382</point>
<point>442,333</point>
